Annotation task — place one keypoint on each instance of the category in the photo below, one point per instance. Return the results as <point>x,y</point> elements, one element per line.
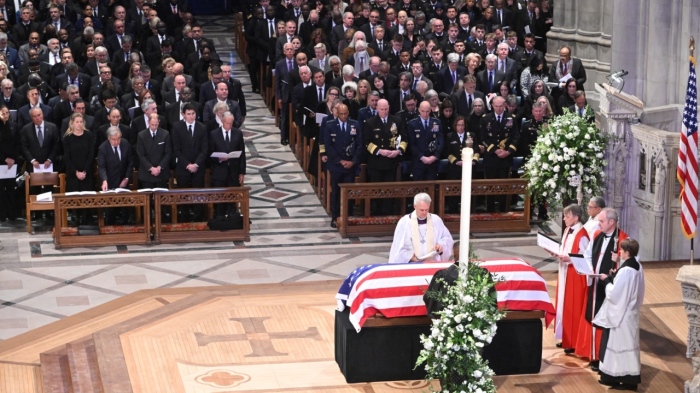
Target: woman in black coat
<point>79,157</point>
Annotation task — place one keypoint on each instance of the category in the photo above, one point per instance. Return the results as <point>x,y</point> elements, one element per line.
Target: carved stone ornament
<point>102,200</point>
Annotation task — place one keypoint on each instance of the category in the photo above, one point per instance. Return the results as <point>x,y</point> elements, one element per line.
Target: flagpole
<point>465,213</point>
<point>692,240</point>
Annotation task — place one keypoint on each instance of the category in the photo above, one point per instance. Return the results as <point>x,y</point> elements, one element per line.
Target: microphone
<point>620,74</point>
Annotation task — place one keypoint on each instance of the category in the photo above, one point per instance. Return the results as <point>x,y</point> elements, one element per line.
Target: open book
<point>80,193</point>
<point>233,154</point>
<point>115,190</point>
<point>152,189</point>
<point>45,197</point>
<point>582,267</point>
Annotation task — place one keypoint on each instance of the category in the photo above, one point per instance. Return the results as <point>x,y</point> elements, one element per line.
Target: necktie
<point>580,111</point>
<point>384,121</point>
<point>469,100</point>
<point>404,96</point>
<point>425,124</point>
<point>116,153</point>
<point>362,64</point>
<point>153,134</point>
<point>228,141</point>
<point>381,46</point>
<point>289,65</point>
<point>374,113</point>
<point>415,82</point>
<point>454,77</point>
<point>490,81</point>
<point>55,24</point>
<point>320,94</point>
<point>321,64</point>
<point>500,17</point>
<point>272,29</point>
<point>161,38</point>
<point>174,10</point>
<point>498,118</point>
<point>296,13</point>
<point>94,12</point>
<point>564,70</point>
<point>190,130</point>
<point>40,136</point>
<point>342,128</point>
<point>503,65</point>
<point>55,58</point>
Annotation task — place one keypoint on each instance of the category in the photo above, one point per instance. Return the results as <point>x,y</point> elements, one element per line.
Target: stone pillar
<point>689,277</point>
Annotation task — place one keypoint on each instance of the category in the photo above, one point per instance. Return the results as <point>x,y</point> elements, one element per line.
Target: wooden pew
<point>193,232</point>
<point>368,225</point>
<point>109,235</point>
<point>510,221</point>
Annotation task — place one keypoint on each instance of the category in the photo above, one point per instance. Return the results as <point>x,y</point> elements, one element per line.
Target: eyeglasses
<point>333,94</point>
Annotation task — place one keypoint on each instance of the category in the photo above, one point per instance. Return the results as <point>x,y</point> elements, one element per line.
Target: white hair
<point>421,197</point>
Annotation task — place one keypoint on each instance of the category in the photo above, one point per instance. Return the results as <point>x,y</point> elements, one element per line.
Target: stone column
<point>689,277</point>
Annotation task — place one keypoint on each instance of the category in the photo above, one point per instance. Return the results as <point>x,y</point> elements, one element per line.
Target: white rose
<point>544,193</point>
<point>545,166</point>
<point>599,155</point>
<point>547,142</point>
<point>562,145</point>
<point>477,374</point>
<point>556,169</point>
<point>572,173</point>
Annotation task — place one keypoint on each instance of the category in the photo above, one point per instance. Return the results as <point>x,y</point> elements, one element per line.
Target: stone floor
<point>291,239</point>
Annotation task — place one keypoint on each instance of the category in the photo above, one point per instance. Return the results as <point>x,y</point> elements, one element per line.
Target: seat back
<point>43,179</point>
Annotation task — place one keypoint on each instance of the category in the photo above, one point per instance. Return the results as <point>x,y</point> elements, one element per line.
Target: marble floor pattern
<point>291,239</point>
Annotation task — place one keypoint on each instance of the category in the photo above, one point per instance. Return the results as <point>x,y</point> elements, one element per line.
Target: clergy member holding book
<point>421,236</point>
<point>620,364</point>
<point>571,286</point>
<point>602,255</point>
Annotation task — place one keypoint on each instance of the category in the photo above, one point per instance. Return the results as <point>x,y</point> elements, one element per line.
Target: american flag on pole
<point>688,158</point>
<point>396,290</point>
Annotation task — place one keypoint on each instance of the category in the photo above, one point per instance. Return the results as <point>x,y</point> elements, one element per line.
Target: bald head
<point>383,108</point>
<point>424,110</point>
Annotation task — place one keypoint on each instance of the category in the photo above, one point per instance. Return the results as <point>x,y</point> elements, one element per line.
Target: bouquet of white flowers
<point>567,147</point>
<point>452,351</point>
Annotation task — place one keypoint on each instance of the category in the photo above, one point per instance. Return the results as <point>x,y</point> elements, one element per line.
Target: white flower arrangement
<point>452,351</point>
<point>566,146</point>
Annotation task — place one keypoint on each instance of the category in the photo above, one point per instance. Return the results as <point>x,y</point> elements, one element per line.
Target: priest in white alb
<point>421,236</point>
<point>620,364</point>
<point>595,206</point>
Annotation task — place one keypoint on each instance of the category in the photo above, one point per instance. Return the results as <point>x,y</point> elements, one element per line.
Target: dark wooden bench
<point>199,231</point>
<point>511,221</point>
<point>368,225</point>
<point>64,236</point>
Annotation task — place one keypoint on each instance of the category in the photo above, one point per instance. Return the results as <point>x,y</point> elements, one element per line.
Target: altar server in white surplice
<point>419,233</point>
<point>620,365</point>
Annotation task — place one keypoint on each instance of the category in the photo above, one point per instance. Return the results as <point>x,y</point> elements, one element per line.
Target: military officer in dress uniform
<point>499,132</point>
<point>426,141</point>
<point>528,138</point>
<point>343,142</point>
<point>455,141</point>
<point>384,138</point>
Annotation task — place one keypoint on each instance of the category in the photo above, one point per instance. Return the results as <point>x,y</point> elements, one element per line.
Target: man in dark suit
<point>567,66</point>
<point>154,150</point>
<point>74,77</point>
<point>511,67</point>
<point>500,134</point>
<point>114,40</point>
<point>463,100</point>
<point>227,172</point>
<point>370,110</point>
<point>396,97</point>
<point>309,26</point>
<point>222,96</point>
<point>449,76</point>
<point>310,100</point>
<point>115,166</point>
<point>154,56</point>
<point>283,89</point>
<point>338,32</point>
<point>426,140</point>
<point>487,80</point>
<point>207,90</point>
<point>529,52</point>
<point>20,31</point>
<point>581,107</point>
<point>235,88</point>
<point>526,18</point>
<point>113,120</point>
<point>503,15</point>
<point>8,12</point>
<point>58,21</point>
<point>190,147</point>
<point>192,44</point>
<point>343,143</point>
<point>140,123</point>
<point>39,141</point>
<point>173,112</point>
<point>384,139</point>
<point>24,113</point>
<point>10,98</point>
<point>80,106</point>
<point>64,108</point>
<point>370,28</point>
<point>264,32</point>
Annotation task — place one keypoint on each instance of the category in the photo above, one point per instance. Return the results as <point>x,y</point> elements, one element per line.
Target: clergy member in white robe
<point>620,365</point>
<point>420,233</point>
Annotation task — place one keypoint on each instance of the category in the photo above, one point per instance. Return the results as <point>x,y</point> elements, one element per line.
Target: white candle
<point>464,223</point>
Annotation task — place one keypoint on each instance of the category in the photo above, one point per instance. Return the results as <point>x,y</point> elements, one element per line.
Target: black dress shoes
<point>333,225</point>
<point>285,142</point>
<point>625,386</point>
<point>558,345</point>
<point>594,365</point>
<point>569,350</point>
